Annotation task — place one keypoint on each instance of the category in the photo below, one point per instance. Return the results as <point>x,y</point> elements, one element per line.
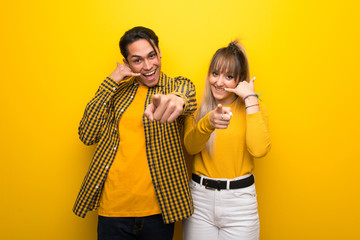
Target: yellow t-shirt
<point>128,189</point>
<point>234,149</point>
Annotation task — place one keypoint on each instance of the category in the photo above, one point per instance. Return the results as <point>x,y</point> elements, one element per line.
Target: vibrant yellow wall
<point>305,55</point>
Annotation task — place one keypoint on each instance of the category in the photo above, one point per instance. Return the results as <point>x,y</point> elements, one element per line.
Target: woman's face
<point>218,81</point>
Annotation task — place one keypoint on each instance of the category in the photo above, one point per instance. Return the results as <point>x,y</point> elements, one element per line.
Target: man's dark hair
<point>135,34</point>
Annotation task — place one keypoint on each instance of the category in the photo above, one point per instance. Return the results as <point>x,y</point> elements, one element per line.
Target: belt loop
<point>201,180</point>
<point>228,184</point>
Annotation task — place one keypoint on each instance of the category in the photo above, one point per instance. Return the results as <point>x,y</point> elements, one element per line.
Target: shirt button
<point>97,186</point>
<point>122,110</point>
<point>107,167</point>
<point>131,96</point>
<point>115,148</point>
<point>104,103</point>
<point>114,88</point>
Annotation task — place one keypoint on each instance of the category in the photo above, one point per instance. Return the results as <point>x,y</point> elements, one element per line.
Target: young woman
<point>229,131</point>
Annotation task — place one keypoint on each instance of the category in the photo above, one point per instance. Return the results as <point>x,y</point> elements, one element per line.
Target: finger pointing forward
<point>156,99</point>
<point>151,108</point>
<point>219,109</point>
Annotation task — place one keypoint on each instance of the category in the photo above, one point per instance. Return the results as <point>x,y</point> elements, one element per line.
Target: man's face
<point>145,60</point>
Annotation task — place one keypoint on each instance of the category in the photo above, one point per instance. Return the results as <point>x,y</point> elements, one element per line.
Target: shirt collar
<point>162,80</point>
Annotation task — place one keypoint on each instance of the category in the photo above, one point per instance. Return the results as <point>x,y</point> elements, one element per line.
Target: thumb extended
<point>149,112</point>
<point>252,81</point>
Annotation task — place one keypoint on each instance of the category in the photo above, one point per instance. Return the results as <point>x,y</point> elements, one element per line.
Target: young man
<point>137,179</point>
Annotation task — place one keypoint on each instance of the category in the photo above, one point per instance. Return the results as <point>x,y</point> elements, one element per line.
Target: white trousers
<point>222,215</point>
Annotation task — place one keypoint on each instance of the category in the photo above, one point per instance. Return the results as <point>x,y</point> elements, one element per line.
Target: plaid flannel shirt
<point>163,145</point>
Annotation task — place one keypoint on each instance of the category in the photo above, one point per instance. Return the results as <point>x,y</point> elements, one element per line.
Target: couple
<point>138,179</point>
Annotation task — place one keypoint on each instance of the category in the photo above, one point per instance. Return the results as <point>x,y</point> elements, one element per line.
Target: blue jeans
<point>146,228</point>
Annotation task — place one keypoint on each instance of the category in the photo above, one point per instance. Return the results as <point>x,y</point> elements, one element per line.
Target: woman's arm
<point>196,135</point>
<point>257,133</point>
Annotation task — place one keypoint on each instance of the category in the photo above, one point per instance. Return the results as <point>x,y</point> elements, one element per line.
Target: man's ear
<point>126,62</point>
<point>160,53</point>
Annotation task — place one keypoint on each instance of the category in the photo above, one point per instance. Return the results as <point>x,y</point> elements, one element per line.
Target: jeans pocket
<point>245,193</point>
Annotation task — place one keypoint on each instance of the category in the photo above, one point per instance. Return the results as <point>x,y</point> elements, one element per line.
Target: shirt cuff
<point>110,85</point>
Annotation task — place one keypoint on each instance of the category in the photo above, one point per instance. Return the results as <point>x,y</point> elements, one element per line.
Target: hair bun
<point>234,46</point>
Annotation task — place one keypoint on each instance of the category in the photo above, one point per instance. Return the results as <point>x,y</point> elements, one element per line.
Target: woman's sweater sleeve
<point>197,135</point>
<point>257,133</point>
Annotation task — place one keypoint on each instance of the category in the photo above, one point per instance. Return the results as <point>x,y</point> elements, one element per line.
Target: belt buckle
<point>218,187</point>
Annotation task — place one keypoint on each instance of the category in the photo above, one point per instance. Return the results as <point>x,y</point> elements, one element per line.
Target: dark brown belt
<point>221,184</point>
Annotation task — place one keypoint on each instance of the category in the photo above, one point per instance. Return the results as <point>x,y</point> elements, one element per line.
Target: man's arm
<point>96,111</point>
<point>167,108</point>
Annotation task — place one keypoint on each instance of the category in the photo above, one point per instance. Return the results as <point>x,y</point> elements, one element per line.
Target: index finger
<point>156,99</point>
<point>219,109</point>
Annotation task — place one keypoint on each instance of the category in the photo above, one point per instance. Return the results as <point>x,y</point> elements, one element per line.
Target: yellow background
<point>305,55</point>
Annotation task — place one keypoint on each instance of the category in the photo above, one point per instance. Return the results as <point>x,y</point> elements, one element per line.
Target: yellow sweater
<point>246,137</point>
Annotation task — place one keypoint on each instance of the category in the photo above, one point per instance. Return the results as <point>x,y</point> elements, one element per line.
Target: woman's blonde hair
<point>231,59</point>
